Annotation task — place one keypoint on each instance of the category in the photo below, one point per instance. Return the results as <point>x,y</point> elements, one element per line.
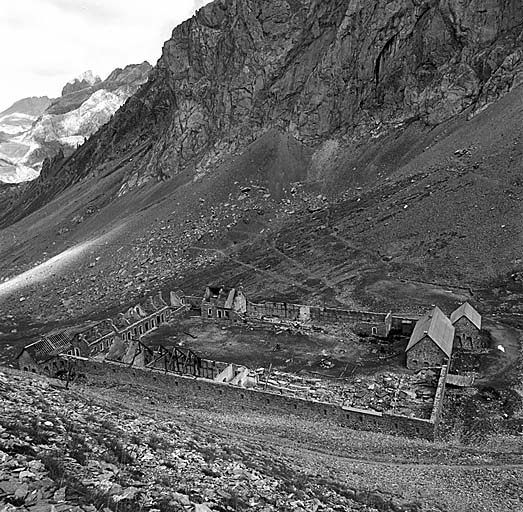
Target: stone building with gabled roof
<point>39,356</point>
<point>431,342</point>
<point>220,303</point>
<point>467,324</point>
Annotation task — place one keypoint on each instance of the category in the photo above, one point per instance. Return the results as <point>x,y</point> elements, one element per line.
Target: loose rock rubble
<point>60,451</point>
<point>402,393</point>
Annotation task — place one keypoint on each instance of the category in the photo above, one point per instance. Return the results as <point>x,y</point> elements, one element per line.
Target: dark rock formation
<point>83,82</point>
<point>316,70</point>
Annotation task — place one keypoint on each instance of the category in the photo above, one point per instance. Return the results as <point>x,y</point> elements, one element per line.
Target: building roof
<point>52,344</point>
<point>437,327</point>
<point>467,311</point>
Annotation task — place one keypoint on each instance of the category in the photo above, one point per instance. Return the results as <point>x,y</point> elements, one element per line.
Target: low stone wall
<point>226,396</point>
<point>435,417</point>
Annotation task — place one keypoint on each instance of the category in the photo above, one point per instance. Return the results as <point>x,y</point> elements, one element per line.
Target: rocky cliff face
<point>317,70</point>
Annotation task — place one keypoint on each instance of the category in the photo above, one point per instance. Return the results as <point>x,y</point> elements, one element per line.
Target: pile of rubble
<point>401,393</point>
<point>61,451</point>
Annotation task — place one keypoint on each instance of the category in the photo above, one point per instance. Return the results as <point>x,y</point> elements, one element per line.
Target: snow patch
<point>18,173</point>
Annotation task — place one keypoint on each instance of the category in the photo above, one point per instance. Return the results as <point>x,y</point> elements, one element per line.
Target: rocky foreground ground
<point>88,449</point>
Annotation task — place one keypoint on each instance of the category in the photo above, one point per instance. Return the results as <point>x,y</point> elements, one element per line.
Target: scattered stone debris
<point>61,451</point>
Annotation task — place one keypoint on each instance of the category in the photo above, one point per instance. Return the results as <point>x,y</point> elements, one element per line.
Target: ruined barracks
<point>97,337</point>
<point>433,338</point>
<point>436,336</point>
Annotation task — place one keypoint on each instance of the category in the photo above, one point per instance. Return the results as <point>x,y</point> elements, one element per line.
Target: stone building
<point>42,355</point>
<point>431,341</point>
<point>467,324</point>
<point>373,325</point>
<point>221,303</point>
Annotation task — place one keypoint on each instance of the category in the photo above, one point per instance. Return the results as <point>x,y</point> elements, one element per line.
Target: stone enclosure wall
<point>226,396</point>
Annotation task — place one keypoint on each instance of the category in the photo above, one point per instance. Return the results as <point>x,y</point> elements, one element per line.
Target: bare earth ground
<point>287,351</point>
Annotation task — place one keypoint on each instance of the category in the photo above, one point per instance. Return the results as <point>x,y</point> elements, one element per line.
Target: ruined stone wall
<point>317,314</point>
<point>224,396</point>
<point>403,325</point>
<point>138,328</point>
<point>103,343</point>
<point>282,310</point>
<point>438,398</point>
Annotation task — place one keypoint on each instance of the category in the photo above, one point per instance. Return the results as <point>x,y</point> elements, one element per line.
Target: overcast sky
<point>46,43</point>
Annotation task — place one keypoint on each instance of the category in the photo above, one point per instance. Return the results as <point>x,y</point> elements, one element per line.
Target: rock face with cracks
<point>316,70</point>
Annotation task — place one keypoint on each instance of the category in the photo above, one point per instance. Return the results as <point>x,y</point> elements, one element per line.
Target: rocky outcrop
<point>316,70</point>
<point>84,81</point>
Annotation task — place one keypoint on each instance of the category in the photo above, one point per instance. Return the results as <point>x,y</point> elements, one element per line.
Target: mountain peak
<point>84,80</point>
<point>87,76</point>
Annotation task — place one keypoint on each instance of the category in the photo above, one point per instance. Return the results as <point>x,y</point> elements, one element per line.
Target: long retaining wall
<point>227,396</point>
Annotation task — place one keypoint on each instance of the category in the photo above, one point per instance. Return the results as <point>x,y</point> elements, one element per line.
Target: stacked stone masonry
<point>226,396</point>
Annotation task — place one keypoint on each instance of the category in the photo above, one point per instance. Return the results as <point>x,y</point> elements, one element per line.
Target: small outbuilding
<point>431,341</point>
<point>467,325</point>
